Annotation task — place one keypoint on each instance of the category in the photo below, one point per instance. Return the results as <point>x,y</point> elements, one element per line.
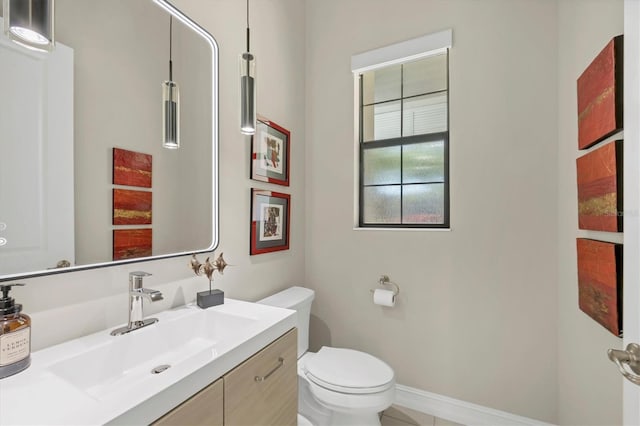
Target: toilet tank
<point>299,299</point>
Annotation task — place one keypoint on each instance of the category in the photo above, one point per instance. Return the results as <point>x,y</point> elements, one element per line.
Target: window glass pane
<point>381,85</point>
<point>423,203</point>
<point>382,204</point>
<point>423,162</point>
<point>381,121</point>
<point>403,180</point>
<point>382,165</point>
<point>425,114</point>
<point>425,75</point>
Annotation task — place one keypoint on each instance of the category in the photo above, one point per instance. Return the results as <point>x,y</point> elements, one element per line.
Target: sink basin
<point>129,359</point>
<point>136,377</point>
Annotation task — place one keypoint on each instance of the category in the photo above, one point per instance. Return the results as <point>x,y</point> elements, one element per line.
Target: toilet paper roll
<point>384,297</point>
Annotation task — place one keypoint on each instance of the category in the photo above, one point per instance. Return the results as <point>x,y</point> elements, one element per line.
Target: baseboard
<point>458,411</point>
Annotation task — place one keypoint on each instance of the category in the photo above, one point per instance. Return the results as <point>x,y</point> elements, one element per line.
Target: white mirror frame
<point>176,13</point>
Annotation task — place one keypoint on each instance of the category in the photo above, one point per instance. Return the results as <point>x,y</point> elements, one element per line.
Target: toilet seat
<point>348,371</point>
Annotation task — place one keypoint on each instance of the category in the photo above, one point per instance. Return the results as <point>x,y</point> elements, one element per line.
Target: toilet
<point>336,386</point>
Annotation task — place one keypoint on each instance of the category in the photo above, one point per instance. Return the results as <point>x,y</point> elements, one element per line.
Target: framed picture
<point>270,153</point>
<point>270,212</point>
<point>132,243</point>
<point>600,282</point>
<point>131,168</point>
<point>600,188</point>
<point>131,207</point>
<point>600,95</point>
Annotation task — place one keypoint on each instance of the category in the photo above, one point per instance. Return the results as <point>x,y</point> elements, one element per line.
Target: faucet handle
<point>135,279</point>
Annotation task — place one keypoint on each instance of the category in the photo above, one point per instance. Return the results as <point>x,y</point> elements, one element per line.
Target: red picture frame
<point>270,221</point>
<point>270,149</point>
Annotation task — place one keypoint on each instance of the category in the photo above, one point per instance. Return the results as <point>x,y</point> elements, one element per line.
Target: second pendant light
<point>248,88</point>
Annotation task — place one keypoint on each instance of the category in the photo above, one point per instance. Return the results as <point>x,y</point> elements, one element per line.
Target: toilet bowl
<point>337,386</point>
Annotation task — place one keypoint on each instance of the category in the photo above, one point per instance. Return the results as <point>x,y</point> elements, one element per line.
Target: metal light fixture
<point>247,88</point>
<point>30,23</point>
<point>170,104</point>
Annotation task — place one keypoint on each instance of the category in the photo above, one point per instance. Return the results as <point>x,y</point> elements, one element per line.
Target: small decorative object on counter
<point>15,335</point>
<point>213,297</point>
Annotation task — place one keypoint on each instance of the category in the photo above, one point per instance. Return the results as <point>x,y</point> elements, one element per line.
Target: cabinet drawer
<point>204,408</point>
<point>264,389</point>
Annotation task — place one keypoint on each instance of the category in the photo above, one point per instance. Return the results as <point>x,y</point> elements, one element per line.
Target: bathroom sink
<point>134,358</point>
<point>133,378</point>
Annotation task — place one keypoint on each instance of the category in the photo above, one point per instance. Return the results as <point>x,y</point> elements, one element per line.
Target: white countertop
<point>40,395</point>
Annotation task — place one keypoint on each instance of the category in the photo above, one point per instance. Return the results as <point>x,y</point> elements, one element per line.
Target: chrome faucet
<point>136,313</point>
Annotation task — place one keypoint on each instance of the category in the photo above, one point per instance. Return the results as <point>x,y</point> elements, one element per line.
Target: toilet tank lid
<point>289,298</point>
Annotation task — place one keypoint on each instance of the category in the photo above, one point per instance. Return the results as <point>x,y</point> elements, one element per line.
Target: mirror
<point>63,113</point>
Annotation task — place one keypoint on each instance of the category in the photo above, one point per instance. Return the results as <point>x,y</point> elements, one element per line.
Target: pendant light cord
<point>170,47</point>
<point>248,26</point>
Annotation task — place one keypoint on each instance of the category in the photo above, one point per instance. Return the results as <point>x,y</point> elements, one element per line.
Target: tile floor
<point>400,416</point>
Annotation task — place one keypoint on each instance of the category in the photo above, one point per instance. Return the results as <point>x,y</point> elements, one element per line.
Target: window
<point>404,144</point>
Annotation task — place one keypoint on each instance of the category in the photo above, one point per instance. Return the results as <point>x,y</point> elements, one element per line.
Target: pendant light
<point>247,88</point>
<point>170,104</point>
<point>30,23</point>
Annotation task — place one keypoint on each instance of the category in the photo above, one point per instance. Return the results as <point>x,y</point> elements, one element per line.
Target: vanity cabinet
<point>204,408</point>
<point>263,390</point>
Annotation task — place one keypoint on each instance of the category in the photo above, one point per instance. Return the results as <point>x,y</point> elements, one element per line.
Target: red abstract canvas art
<point>600,282</point>
<point>600,95</point>
<point>131,168</point>
<point>131,243</point>
<point>600,188</point>
<point>131,207</point>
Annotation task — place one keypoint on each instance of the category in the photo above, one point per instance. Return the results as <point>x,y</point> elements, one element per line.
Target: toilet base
<point>352,419</point>
<point>317,414</point>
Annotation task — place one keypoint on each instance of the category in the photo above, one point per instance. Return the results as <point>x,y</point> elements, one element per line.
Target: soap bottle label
<point>15,346</point>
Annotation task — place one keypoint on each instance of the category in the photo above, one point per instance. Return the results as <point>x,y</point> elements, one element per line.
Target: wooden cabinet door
<point>204,408</point>
<point>264,389</point>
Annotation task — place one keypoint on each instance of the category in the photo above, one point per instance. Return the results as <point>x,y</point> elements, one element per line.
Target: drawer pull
<point>263,378</point>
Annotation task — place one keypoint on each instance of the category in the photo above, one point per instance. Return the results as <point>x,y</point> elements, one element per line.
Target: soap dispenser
<point>15,335</point>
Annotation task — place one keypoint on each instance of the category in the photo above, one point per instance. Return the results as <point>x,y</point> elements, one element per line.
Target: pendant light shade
<point>170,105</point>
<point>30,23</point>
<point>170,115</point>
<point>247,94</point>
<point>247,88</point>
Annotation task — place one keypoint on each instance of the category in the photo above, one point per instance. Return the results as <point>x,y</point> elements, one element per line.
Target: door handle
<point>630,357</point>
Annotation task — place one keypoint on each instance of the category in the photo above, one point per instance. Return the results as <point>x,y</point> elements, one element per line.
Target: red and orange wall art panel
<point>131,168</point>
<point>131,243</point>
<point>131,207</point>
<point>600,282</point>
<point>600,188</point>
<point>600,95</point>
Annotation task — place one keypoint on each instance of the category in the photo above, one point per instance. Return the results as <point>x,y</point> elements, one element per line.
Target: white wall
<point>590,389</point>
<point>70,305</point>
<point>477,316</point>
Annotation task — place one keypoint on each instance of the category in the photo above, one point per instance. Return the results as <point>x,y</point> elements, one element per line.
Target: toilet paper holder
<point>385,281</point>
